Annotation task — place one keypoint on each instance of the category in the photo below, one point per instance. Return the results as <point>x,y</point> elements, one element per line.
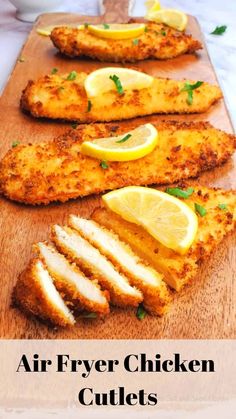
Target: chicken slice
<point>71,282</point>
<point>36,294</point>
<point>94,264</point>
<point>146,279</point>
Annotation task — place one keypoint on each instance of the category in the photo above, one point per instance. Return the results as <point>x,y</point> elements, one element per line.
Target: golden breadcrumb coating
<point>96,266</point>
<point>140,275</point>
<point>71,282</point>
<point>36,294</point>
<point>158,41</point>
<point>179,269</point>
<point>57,171</point>
<point>55,97</point>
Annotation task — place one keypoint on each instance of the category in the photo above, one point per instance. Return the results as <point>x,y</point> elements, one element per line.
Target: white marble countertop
<point>210,13</point>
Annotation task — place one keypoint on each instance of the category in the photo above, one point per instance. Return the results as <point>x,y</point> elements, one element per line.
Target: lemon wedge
<point>152,5</point>
<point>170,17</point>
<point>115,79</point>
<point>117,30</point>
<point>168,219</point>
<point>46,31</point>
<point>129,146</point>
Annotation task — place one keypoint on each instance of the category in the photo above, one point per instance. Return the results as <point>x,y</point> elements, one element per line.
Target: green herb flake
<point>21,59</point>
<point>146,29</point>
<point>15,144</point>
<point>180,193</point>
<point>74,126</point>
<point>86,25</point>
<point>200,210</point>
<point>54,70</point>
<point>106,26</point>
<point>72,76</point>
<point>89,106</point>
<point>89,316</point>
<point>219,30</point>
<point>189,89</point>
<point>104,164</point>
<point>141,312</point>
<point>135,41</point>
<point>163,33</point>
<point>118,84</point>
<point>222,206</point>
<point>125,138</point>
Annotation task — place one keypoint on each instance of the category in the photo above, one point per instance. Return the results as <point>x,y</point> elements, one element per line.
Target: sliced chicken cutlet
<point>57,171</point>
<point>158,41</point>
<point>146,279</point>
<point>179,269</point>
<point>36,294</point>
<point>56,97</point>
<point>94,264</point>
<point>71,282</point>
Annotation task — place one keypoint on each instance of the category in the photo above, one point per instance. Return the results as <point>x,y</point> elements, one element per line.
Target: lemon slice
<point>129,146</point>
<point>166,218</point>
<point>46,31</point>
<point>152,5</point>
<point>117,30</point>
<point>170,17</point>
<point>99,81</point>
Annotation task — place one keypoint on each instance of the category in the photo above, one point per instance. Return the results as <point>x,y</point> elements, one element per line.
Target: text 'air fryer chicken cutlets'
<point>58,171</point>
<point>158,41</point>
<point>64,97</point>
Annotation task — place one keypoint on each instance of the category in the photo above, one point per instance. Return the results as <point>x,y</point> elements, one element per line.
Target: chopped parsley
<point>190,88</point>
<point>219,30</point>
<point>15,143</point>
<point>141,312</point>
<point>145,29</point>
<point>118,84</point>
<point>72,76</point>
<point>74,126</point>
<point>54,70</point>
<point>104,164</point>
<point>200,210</point>
<point>21,59</point>
<point>135,41</point>
<point>106,26</point>
<point>125,138</point>
<point>89,106</point>
<point>180,193</point>
<point>222,206</point>
<point>89,316</point>
<point>163,33</point>
<point>86,25</point>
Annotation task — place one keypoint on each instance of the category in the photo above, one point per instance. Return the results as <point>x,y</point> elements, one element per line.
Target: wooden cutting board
<point>205,308</point>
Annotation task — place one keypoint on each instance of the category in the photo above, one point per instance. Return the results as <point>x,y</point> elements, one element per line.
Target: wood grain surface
<point>204,309</point>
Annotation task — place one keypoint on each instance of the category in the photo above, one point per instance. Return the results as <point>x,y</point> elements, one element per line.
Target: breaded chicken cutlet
<point>158,41</point>
<point>177,269</point>
<point>57,171</point>
<point>60,97</point>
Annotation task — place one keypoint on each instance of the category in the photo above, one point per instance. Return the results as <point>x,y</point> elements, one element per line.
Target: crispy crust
<point>158,42</point>
<point>55,97</point>
<point>56,171</point>
<point>70,292</point>
<point>179,270</point>
<point>156,296</point>
<point>118,296</point>
<point>30,296</point>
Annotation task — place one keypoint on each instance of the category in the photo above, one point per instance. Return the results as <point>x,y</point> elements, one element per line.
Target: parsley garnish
<point>163,33</point>
<point>180,193</point>
<point>135,41</point>
<point>141,312</point>
<point>222,206</point>
<point>145,29</point>
<point>118,84</point>
<point>200,210</point>
<point>74,126</point>
<point>72,76</point>
<point>86,25</point>
<point>219,30</point>
<point>106,26</point>
<point>54,70</point>
<point>189,88</point>
<point>124,138</point>
<point>15,143</point>
<point>104,164</point>
<point>89,316</point>
<point>89,107</point>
